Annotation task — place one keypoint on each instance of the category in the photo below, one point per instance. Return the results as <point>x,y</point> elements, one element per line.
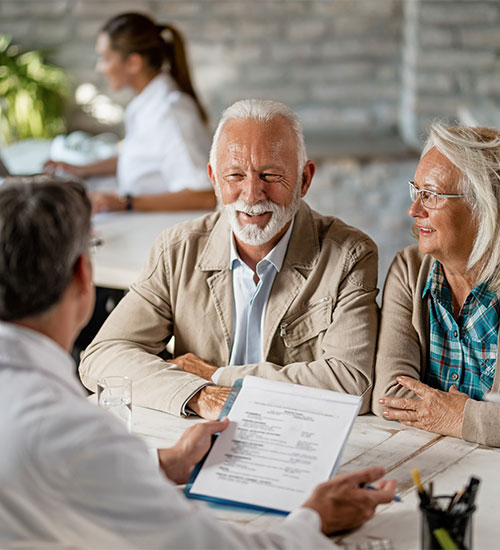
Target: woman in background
<point>162,160</point>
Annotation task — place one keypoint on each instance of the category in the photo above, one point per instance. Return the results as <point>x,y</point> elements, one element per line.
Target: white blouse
<point>166,144</point>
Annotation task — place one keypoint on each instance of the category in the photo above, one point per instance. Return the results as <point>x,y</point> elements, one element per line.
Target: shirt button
<point>454,376</point>
<point>455,334</point>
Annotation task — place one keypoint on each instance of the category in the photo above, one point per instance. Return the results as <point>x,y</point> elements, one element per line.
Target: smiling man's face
<point>257,178</point>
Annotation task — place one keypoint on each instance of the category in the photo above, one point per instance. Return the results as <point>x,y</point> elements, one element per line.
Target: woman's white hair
<point>475,151</point>
<point>262,110</point>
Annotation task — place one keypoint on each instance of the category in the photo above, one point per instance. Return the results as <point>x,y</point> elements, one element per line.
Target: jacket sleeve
<point>481,423</point>
<point>345,362</point>
<point>399,349</point>
<point>130,340</point>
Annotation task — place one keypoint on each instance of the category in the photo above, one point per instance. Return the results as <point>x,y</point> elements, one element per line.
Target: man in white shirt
<point>70,474</point>
<point>264,287</point>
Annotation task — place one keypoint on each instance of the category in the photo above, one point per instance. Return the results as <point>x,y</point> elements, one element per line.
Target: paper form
<point>283,440</point>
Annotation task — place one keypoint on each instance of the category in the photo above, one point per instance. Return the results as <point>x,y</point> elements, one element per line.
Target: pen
<point>457,497</point>
<point>366,486</point>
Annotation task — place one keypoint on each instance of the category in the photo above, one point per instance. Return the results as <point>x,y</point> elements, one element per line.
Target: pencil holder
<point>442,528</point>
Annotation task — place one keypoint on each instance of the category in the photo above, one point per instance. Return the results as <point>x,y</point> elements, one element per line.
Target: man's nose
<point>253,189</point>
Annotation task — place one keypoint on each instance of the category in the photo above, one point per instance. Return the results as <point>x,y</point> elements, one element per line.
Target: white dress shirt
<point>166,144</point>
<point>250,302</point>
<point>71,475</point>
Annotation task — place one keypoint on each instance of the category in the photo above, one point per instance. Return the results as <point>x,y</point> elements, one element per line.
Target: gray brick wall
<point>352,69</point>
<point>452,49</point>
<point>335,61</point>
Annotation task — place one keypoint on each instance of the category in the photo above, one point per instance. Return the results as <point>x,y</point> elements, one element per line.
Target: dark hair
<point>136,33</point>
<point>44,229</point>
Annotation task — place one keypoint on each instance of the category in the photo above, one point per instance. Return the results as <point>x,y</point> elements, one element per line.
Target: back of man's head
<point>44,229</point>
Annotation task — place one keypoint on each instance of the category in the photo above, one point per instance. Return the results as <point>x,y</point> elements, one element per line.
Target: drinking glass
<point>115,394</point>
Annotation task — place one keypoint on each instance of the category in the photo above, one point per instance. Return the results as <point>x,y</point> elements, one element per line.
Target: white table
<point>127,238</point>
<point>447,461</point>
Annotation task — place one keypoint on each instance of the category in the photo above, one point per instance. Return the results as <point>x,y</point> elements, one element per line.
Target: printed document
<point>282,441</point>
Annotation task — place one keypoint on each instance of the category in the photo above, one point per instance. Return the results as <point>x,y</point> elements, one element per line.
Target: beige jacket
<point>320,326</point>
<point>403,344</point>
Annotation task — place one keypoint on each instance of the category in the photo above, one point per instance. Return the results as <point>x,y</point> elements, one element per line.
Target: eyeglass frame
<point>418,192</point>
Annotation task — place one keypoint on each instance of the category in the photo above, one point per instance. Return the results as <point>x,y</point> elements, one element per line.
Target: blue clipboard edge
<point>233,394</point>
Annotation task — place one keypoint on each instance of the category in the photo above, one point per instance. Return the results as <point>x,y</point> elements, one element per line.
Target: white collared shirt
<point>166,144</point>
<point>250,302</point>
<point>71,475</point>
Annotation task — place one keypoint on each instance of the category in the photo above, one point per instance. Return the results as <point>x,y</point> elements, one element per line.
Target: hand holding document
<point>283,440</point>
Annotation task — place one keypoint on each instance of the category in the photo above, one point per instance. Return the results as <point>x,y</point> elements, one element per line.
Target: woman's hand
<point>52,167</point>
<point>107,202</point>
<point>434,410</point>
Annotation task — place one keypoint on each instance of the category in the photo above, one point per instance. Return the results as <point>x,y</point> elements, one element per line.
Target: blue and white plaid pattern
<point>462,352</point>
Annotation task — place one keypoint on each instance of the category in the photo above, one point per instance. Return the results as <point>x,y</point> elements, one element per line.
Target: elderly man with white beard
<point>265,286</point>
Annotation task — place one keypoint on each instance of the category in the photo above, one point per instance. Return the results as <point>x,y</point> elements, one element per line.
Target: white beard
<point>251,233</point>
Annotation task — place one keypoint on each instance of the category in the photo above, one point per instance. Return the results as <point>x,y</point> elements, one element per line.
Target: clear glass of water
<point>115,394</point>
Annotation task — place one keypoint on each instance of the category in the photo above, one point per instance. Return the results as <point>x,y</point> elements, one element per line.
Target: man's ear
<point>307,176</point>
<point>82,273</point>
<point>211,175</point>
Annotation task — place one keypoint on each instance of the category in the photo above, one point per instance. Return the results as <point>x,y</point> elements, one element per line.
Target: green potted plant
<point>32,94</point>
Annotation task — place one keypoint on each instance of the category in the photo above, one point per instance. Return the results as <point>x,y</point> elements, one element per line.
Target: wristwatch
<point>129,202</point>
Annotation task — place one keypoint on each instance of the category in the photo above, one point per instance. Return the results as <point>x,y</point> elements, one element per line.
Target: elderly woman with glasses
<point>438,339</point>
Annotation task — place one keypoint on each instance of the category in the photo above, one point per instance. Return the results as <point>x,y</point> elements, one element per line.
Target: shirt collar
<point>435,280</point>
<point>154,87</point>
<point>275,257</point>
<point>438,287</point>
<point>25,348</point>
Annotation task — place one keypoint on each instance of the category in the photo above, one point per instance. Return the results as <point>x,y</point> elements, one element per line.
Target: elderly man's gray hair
<point>262,110</point>
<point>44,229</point>
<point>475,151</point>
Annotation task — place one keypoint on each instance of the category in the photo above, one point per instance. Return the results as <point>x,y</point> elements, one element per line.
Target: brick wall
<point>451,55</point>
<point>336,62</point>
<point>352,69</point>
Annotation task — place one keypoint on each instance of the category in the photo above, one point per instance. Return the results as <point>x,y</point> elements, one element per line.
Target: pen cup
<point>442,529</point>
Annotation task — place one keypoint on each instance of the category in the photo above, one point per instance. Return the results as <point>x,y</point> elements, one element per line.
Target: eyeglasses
<point>94,244</point>
<point>429,199</point>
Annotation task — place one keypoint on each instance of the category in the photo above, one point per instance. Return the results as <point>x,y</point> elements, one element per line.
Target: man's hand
<point>434,410</point>
<point>107,202</point>
<point>208,402</point>
<point>193,445</point>
<point>342,504</point>
<point>191,363</point>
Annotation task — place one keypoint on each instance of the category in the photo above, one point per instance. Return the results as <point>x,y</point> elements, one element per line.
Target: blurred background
<point>365,76</point>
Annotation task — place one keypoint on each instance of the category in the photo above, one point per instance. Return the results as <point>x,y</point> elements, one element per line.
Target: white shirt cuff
<point>307,516</point>
<point>185,410</point>
<point>216,375</point>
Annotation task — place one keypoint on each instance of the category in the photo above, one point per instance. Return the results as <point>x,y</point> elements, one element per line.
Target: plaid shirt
<point>462,351</point>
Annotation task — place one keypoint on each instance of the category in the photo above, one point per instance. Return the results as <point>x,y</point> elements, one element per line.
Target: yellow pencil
<point>416,480</point>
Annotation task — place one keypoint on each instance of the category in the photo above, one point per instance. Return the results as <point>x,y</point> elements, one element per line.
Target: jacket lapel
<point>215,258</point>
<point>300,258</point>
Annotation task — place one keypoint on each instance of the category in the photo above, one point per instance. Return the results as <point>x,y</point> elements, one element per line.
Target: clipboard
<point>282,400</point>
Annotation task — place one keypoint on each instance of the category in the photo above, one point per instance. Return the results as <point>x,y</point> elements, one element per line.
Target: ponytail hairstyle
<point>136,33</point>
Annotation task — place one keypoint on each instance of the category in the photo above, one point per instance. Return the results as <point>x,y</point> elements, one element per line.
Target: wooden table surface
<point>447,461</point>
